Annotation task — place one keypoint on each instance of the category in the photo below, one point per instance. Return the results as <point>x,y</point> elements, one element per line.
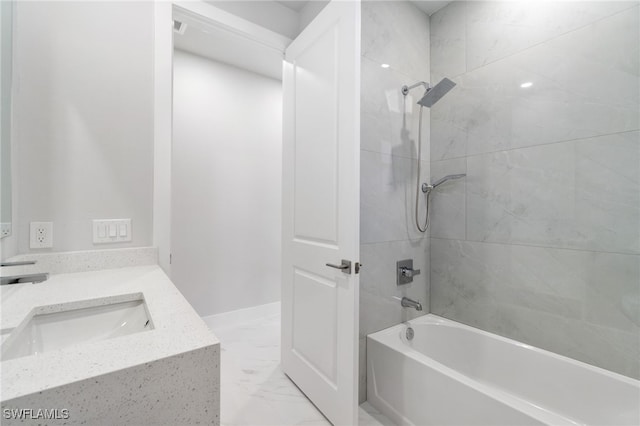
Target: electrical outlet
<point>5,229</point>
<point>40,235</point>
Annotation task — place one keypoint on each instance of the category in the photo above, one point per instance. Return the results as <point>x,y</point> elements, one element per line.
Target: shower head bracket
<point>405,89</point>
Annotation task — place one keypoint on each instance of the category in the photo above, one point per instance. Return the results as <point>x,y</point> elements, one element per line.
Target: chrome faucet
<point>36,277</point>
<point>405,271</point>
<point>25,278</point>
<point>410,303</point>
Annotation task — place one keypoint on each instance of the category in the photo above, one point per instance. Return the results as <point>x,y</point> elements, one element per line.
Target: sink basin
<point>54,327</point>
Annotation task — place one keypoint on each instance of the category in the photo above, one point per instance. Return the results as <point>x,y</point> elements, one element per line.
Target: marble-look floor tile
<point>369,416</point>
<point>254,390</point>
<point>583,194</point>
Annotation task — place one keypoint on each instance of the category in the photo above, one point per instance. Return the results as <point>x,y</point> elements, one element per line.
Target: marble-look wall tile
<point>362,367</point>
<point>387,197</point>
<point>498,29</point>
<point>582,194</point>
<point>448,41</point>
<point>447,208</point>
<point>446,141</point>
<point>379,304</point>
<point>380,295</point>
<point>604,347</point>
<point>396,33</point>
<point>561,104</point>
<point>506,289</point>
<point>548,252</point>
<point>388,120</point>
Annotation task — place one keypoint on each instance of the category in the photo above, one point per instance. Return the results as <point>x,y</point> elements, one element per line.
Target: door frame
<point>163,99</point>
<point>163,105</point>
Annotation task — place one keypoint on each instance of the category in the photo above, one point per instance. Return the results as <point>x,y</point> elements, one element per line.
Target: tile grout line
<point>538,246</point>
<point>537,145</point>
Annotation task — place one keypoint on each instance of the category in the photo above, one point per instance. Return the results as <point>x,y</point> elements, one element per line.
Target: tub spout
<point>410,303</point>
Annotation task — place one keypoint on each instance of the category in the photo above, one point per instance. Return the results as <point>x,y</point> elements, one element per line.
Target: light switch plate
<point>121,231</point>
<point>40,235</point>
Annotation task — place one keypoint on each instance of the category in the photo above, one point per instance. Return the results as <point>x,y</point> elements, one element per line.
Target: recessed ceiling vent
<point>179,27</point>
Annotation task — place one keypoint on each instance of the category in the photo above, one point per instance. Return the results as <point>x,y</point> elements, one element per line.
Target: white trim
<point>242,316</point>
<point>162,131</point>
<point>209,15</point>
<point>205,14</point>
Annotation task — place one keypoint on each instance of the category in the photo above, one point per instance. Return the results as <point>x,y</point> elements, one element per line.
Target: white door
<point>321,197</point>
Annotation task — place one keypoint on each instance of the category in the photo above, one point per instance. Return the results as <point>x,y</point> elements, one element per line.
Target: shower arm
<point>405,88</point>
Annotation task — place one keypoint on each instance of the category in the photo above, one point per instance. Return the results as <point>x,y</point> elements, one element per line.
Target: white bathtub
<point>452,374</point>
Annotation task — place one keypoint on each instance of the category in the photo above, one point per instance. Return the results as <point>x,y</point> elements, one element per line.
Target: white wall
<point>8,244</point>
<point>226,194</point>
<point>83,118</point>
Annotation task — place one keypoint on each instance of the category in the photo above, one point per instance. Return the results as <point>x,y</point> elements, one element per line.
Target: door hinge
<point>170,258</point>
<point>357,267</point>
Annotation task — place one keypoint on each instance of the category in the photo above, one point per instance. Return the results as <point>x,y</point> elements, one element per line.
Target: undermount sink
<point>54,327</point>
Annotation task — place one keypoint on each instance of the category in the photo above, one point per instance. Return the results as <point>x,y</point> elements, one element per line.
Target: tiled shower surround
<point>541,241</point>
<point>397,34</point>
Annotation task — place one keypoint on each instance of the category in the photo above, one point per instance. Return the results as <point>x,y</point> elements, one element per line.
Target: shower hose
<point>425,226</point>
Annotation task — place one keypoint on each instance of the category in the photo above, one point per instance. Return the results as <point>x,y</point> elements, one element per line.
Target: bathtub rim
<point>384,336</point>
<point>390,338</point>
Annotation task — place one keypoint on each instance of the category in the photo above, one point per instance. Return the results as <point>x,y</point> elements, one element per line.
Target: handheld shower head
<point>436,93</point>
<point>428,187</point>
<point>446,178</point>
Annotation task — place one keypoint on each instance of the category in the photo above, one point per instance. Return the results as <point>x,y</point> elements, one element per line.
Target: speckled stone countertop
<point>177,328</point>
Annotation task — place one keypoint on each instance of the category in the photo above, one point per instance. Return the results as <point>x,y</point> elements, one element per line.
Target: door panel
<point>315,81</point>
<point>321,195</point>
<point>314,323</point>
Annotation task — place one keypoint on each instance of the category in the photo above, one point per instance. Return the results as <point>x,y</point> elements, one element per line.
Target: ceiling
<point>218,44</point>
<point>295,5</point>
<point>226,46</point>
<point>429,7</point>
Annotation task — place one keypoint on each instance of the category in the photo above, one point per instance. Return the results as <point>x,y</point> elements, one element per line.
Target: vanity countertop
<point>177,328</point>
